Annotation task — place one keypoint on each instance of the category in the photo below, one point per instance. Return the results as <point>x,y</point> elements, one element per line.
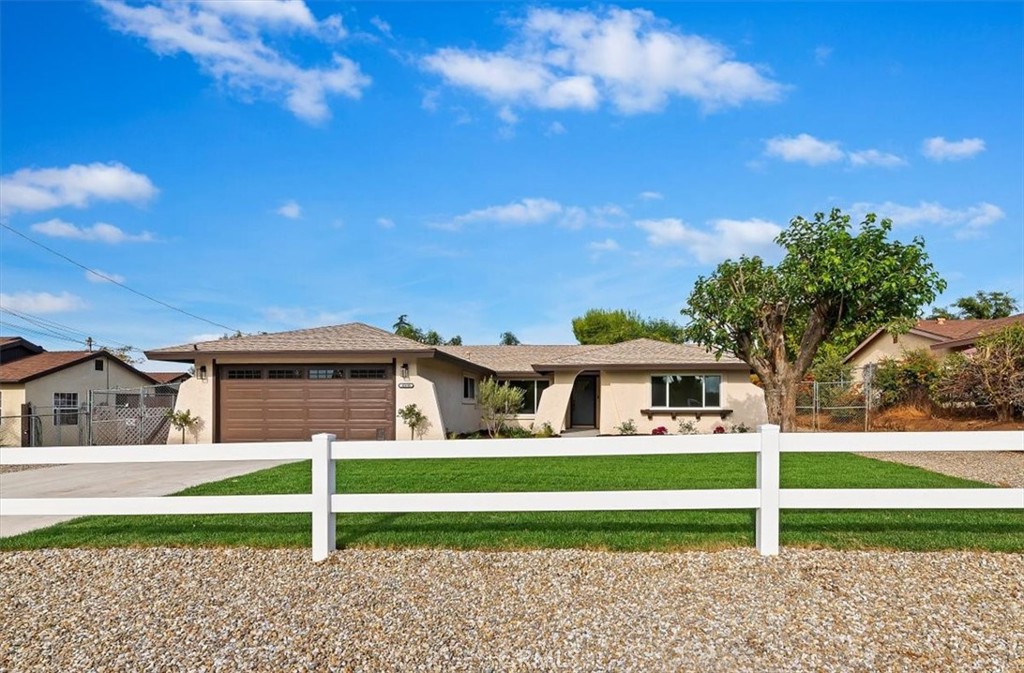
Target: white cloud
<point>290,209</point>
<point>822,54</point>
<point>651,196</point>
<point>506,115</point>
<point>303,317</point>
<point>876,158</point>
<point>533,211</point>
<point>607,245</point>
<point>578,58</point>
<point>940,149</point>
<point>429,101</point>
<point>101,232</point>
<point>33,189</point>
<point>101,276</point>
<point>726,239</point>
<point>385,223</point>
<point>41,302</point>
<point>381,25</point>
<point>555,129</point>
<point>970,222</point>
<point>225,40</point>
<point>804,148</point>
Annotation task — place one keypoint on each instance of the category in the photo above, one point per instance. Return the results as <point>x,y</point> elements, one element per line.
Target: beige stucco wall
<point>883,346</point>
<point>196,396</point>
<point>624,394</point>
<point>554,402</point>
<point>458,415</point>
<point>12,396</point>
<point>423,394</point>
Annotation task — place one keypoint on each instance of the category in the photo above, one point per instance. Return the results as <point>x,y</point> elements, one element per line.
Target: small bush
<point>687,428</point>
<point>415,419</point>
<point>515,432</point>
<point>545,430</point>
<point>907,380</point>
<point>660,430</point>
<point>627,428</point>
<point>719,429</point>
<point>739,428</point>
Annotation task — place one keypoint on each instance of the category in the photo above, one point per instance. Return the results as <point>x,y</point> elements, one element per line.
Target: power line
<point>46,323</point>
<point>105,277</point>
<point>51,335</point>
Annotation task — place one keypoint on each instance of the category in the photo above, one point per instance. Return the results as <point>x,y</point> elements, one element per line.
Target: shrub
<point>660,430</point>
<point>498,403</point>
<point>545,430</point>
<point>415,419</point>
<point>184,421</point>
<point>627,428</point>
<point>739,428</point>
<point>515,432</point>
<point>687,428</point>
<point>719,429</point>
<point>992,375</point>
<point>907,380</point>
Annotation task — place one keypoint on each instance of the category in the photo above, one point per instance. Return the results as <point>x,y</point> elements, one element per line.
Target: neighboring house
<point>168,378</point>
<point>940,336</point>
<point>351,379</point>
<point>57,385</point>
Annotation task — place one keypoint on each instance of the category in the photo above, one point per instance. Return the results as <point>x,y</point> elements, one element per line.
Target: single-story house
<point>56,384</point>
<point>351,379</point>
<point>939,336</point>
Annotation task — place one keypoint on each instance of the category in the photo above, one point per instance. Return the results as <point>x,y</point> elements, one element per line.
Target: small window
<point>245,374</point>
<point>468,388</point>
<point>65,408</point>
<point>284,374</point>
<point>99,365</point>
<point>686,391</point>
<point>326,374</point>
<point>367,373</point>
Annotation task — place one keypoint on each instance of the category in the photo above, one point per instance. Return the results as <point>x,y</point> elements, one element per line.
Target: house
<point>351,379</point>
<point>939,336</point>
<point>56,384</point>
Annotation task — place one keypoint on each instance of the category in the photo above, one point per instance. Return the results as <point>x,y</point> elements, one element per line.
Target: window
<point>284,373</point>
<point>686,391</point>
<point>245,374</point>
<point>65,408</point>
<point>468,388</point>
<point>531,393</point>
<point>325,374</point>
<point>99,365</point>
<point>368,373</point>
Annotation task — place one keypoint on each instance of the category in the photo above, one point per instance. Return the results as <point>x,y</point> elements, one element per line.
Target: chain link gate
<point>834,405</point>
<point>131,416</point>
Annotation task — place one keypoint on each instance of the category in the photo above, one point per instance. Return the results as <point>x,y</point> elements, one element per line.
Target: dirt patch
<point>914,419</point>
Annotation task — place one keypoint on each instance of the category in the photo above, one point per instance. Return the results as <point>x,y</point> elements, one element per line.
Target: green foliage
<point>992,375</point>
<point>545,430</point>
<point>906,380</point>
<point>406,329</point>
<point>829,365</point>
<point>687,427</point>
<point>739,428</point>
<point>833,279</point>
<point>516,432</point>
<point>982,306</point>
<point>508,339</point>
<point>416,420</point>
<point>124,354</point>
<point>626,428</point>
<point>599,326</point>
<point>183,421</point>
<point>498,403</point>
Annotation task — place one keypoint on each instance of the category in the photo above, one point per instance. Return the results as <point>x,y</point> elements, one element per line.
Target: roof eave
<point>190,356</point>
<point>660,366</point>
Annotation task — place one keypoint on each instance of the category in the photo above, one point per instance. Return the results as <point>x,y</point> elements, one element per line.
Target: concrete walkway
<point>107,480</point>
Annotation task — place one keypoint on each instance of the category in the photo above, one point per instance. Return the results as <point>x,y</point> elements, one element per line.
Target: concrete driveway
<point>110,480</point>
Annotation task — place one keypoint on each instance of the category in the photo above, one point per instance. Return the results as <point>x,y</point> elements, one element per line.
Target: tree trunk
<point>780,399</point>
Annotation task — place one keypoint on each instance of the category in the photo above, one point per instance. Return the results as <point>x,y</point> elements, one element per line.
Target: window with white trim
<point>65,408</point>
<point>532,389</point>
<point>468,389</point>
<point>686,391</point>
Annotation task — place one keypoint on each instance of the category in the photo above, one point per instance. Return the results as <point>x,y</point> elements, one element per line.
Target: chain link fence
<point>844,406</point>
<point>109,417</point>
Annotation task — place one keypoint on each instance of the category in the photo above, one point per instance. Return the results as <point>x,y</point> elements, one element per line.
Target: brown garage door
<point>267,403</point>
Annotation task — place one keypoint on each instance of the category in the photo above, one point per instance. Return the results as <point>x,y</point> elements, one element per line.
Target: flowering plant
<point>660,430</point>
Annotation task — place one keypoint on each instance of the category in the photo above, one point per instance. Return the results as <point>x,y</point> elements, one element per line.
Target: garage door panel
<point>264,409</point>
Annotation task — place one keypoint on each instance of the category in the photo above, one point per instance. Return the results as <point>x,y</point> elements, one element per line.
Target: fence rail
<point>324,504</point>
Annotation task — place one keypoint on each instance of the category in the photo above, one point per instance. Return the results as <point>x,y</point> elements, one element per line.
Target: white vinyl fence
<point>323,503</point>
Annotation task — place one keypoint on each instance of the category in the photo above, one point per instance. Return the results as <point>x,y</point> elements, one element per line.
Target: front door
<point>583,402</point>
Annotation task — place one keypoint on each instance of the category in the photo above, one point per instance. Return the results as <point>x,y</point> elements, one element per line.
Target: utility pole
<point>88,344</point>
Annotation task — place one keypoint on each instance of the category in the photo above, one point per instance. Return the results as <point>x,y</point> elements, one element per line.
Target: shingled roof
<point>508,361</point>
<point>39,365</point>
<point>351,338</point>
<point>643,353</point>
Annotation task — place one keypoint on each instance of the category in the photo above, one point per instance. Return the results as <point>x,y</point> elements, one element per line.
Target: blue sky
<point>481,167</point>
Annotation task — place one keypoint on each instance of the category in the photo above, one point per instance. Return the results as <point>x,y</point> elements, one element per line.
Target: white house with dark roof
<point>351,379</point>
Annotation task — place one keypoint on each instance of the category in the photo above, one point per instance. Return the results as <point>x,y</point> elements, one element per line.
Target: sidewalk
<point>108,480</point>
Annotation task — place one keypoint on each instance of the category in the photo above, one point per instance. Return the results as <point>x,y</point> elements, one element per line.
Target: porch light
<point>202,372</point>
<point>405,370</point>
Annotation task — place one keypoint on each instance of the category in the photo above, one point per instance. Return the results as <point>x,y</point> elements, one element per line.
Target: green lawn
<point>997,530</point>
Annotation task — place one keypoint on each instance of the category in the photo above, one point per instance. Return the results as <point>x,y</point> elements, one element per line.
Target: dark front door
<point>583,402</point>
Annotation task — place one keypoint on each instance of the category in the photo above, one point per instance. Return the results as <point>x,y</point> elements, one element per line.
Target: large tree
<point>983,305</point>
<point>598,326</point>
<point>430,337</point>
<point>833,278</point>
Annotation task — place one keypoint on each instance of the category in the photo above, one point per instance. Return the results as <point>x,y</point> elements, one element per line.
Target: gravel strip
<point>21,468</point>
<point>1002,468</point>
<point>237,609</point>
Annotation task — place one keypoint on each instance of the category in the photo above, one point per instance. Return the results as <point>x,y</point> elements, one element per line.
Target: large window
<point>686,391</point>
<point>531,393</point>
<point>65,408</point>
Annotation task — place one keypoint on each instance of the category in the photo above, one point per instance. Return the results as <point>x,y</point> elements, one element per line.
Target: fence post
<point>768,486</point>
<point>324,519</point>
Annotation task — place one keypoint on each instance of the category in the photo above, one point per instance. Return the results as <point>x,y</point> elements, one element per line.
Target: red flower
<point>660,430</point>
